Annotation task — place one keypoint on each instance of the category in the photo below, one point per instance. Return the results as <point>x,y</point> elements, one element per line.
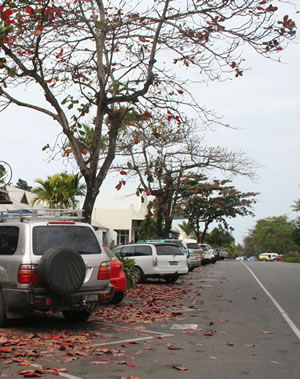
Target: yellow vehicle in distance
<point>267,256</point>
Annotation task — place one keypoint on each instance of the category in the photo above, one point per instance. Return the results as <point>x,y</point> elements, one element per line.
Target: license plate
<point>91,298</point>
<point>173,263</point>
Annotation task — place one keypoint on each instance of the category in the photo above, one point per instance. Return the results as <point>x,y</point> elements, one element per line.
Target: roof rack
<point>29,214</point>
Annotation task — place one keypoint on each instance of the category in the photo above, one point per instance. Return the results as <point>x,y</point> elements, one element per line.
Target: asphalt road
<point>236,320</point>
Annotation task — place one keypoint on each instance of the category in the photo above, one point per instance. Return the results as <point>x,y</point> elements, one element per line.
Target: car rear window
<point>168,250</point>
<point>9,236</point>
<point>79,238</point>
<point>193,245</point>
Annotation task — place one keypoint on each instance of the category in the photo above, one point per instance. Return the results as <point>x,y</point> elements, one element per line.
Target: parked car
<point>209,254</point>
<point>196,253</point>
<point>279,258</point>
<point>252,258</point>
<point>118,277</point>
<point>155,260</point>
<point>221,253</point>
<point>49,260</point>
<point>267,256</point>
<point>241,258</point>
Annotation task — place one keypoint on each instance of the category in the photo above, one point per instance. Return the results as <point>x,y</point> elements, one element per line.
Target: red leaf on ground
<point>230,344</point>
<point>208,334</point>
<point>133,342</point>
<point>224,320</point>
<point>132,365</point>
<point>172,347</point>
<point>5,350</point>
<point>180,368</point>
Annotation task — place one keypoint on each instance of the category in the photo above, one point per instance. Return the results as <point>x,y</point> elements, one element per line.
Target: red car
<point>118,277</point>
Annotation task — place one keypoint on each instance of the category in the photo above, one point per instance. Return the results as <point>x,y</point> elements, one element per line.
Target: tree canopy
<point>96,63</point>
<point>205,202</point>
<point>272,234</point>
<point>162,155</point>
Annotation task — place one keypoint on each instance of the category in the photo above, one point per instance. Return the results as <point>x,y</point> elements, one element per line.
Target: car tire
<point>62,270</point>
<point>171,279</point>
<point>117,298</point>
<point>3,319</point>
<point>76,316</point>
<point>139,275</point>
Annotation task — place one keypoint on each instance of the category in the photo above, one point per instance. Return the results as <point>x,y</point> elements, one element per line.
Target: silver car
<point>50,261</point>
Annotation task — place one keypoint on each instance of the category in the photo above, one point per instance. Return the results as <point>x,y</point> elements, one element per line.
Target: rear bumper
<point>20,300</point>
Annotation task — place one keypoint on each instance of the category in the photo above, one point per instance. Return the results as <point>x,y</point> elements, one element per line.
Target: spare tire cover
<point>62,270</point>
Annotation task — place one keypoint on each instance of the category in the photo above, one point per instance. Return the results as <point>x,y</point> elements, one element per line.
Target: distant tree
<point>161,155</point>
<point>22,184</point>
<point>59,191</point>
<point>220,237</point>
<point>296,232</point>
<point>296,206</point>
<point>273,234</point>
<point>93,62</point>
<point>206,202</point>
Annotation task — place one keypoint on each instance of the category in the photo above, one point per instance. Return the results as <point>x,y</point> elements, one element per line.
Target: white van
<point>267,256</point>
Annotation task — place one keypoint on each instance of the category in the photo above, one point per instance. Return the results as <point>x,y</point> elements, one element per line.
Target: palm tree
<point>187,228</point>
<point>59,191</point>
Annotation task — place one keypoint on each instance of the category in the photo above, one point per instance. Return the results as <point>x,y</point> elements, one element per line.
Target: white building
<point>122,213</point>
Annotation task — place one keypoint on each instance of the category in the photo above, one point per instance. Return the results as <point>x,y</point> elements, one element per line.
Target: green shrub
<point>129,269</point>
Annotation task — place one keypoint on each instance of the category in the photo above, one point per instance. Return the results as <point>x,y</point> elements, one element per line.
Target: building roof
<point>20,198</point>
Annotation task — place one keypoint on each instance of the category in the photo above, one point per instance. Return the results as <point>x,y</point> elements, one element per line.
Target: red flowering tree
<point>97,62</point>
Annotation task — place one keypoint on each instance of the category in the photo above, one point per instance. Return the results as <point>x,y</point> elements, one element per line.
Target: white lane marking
<point>277,305</point>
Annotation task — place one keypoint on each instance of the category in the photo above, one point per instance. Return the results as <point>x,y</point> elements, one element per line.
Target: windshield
<point>79,238</point>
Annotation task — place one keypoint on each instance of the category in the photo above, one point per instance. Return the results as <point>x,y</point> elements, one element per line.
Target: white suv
<point>155,260</point>
<point>50,261</point>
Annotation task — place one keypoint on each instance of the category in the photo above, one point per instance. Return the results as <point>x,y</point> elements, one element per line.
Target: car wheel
<point>139,275</point>
<point>76,316</point>
<point>62,270</point>
<point>171,279</point>
<point>117,298</point>
<point>3,319</point>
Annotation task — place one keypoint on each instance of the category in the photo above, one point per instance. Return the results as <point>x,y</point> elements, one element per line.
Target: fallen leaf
<point>266,332</point>
<point>180,368</point>
<point>275,362</point>
<point>172,347</point>
<point>5,350</point>
<point>212,357</point>
<point>224,320</point>
<point>132,365</point>
<point>230,344</point>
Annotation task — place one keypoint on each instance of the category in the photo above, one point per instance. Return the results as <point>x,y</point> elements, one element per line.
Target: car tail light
<point>154,261</point>
<point>28,273</point>
<point>104,271</point>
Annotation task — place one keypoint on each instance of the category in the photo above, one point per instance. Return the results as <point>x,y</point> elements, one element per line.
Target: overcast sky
<point>264,105</point>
